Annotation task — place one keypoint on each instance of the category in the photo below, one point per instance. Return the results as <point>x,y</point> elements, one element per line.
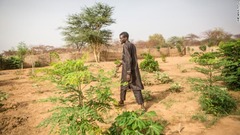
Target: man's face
<point>122,39</point>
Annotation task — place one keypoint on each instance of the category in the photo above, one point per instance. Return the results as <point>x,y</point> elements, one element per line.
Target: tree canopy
<point>89,28</point>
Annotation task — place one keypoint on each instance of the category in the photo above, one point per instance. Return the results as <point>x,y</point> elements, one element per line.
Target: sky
<point>36,22</point>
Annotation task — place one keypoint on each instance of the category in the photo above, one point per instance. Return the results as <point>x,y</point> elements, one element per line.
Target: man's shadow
<point>157,97</point>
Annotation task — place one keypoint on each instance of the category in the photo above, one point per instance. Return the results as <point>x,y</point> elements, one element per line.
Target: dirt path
<point>22,111</point>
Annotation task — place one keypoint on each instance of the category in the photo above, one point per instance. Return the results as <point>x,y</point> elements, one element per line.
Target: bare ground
<point>22,112</point>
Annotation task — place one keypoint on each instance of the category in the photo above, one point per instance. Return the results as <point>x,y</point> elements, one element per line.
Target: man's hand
<point>128,78</point>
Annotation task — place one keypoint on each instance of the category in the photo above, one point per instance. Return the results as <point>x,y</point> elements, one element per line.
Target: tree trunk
<point>21,65</point>
<point>95,54</point>
<point>98,55</point>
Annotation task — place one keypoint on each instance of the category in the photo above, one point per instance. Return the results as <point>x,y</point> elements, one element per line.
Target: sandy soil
<point>22,112</point>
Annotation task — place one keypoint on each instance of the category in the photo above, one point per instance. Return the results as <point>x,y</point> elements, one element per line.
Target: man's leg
<point>138,96</point>
<point>122,97</point>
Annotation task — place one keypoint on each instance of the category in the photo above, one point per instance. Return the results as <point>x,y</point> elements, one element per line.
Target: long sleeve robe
<point>130,66</point>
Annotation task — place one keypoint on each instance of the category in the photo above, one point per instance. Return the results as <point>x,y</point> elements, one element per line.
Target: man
<point>131,78</point>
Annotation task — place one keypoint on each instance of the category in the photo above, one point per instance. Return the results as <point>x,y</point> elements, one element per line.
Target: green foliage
<point>89,28</point>
<point>203,48</point>
<point>54,55</point>
<point>200,117</point>
<point>162,78</point>
<point>210,66</point>
<point>149,64</point>
<point>217,101</point>
<point>231,63</point>
<point>3,96</point>
<point>136,123</point>
<point>117,62</point>
<point>22,51</point>
<point>84,98</point>
<point>179,48</point>
<point>208,121</point>
<point>175,87</point>
<point>37,64</point>
<point>10,63</point>
<point>147,95</point>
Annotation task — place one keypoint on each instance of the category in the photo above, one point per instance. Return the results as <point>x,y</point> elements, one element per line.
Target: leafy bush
<point>3,96</point>
<point>203,48</point>
<point>136,123</point>
<point>179,48</point>
<point>147,95</point>
<point>149,64</point>
<point>162,78</point>
<point>175,87</point>
<point>84,98</point>
<point>37,64</point>
<point>217,101</point>
<point>231,62</point>
<point>11,63</point>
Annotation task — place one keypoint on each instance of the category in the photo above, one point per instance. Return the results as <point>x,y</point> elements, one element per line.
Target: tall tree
<point>191,39</point>
<point>214,37</point>
<point>156,40</point>
<point>22,51</point>
<point>89,28</point>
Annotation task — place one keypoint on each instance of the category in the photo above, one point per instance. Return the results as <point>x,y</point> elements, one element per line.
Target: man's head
<point>123,37</point>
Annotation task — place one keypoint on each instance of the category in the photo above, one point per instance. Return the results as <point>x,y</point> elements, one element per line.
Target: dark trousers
<point>137,94</point>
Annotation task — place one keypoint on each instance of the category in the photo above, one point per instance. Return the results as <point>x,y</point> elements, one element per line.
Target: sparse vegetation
<point>162,78</point>
<point>147,95</point>
<point>175,87</point>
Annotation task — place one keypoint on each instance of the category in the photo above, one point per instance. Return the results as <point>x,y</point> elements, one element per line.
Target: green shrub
<point>149,64</point>
<point>203,48</point>
<point>175,87</point>
<point>12,63</point>
<point>147,95</point>
<point>162,78</point>
<point>231,62</point>
<point>37,64</point>
<point>217,101</point>
<point>135,123</point>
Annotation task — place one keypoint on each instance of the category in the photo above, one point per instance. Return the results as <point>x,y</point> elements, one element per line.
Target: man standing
<point>131,78</point>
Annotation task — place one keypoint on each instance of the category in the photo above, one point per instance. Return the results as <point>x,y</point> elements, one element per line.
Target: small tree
<point>83,101</point>
<point>22,51</point>
<point>214,98</point>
